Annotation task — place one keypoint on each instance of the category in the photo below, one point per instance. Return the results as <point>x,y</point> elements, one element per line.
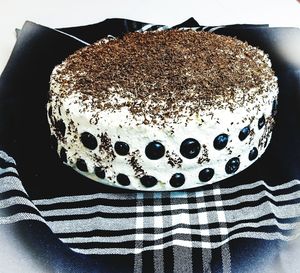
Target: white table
<point>61,13</point>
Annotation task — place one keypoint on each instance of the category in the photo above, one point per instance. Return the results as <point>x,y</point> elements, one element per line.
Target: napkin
<point>54,220</point>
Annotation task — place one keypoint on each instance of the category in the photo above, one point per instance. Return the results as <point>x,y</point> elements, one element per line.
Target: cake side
<point>164,135</point>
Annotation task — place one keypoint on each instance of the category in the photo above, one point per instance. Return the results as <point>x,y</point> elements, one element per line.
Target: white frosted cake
<point>162,110</point>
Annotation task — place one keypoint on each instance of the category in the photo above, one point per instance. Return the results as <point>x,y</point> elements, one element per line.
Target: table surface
<point>57,13</point>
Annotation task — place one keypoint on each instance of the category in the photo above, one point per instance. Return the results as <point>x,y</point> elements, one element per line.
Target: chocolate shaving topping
<point>165,74</point>
<point>173,159</point>
<point>134,162</point>
<point>106,147</point>
<point>268,128</point>
<point>204,155</point>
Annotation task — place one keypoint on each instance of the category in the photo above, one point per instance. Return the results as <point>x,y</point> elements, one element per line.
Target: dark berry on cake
<point>232,165</point>
<point>253,154</point>
<point>123,179</point>
<point>221,141</point>
<point>274,108</point>
<point>244,133</point>
<point>99,172</point>
<point>148,181</point>
<point>63,155</point>
<point>177,180</point>
<point>121,148</point>
<point>206,174</point>
<point>261,122</point>
<point>88,141</point>
<point>60,128</point>
<point>190,148</point>
<point>81,165</point>
<point>155,150</point>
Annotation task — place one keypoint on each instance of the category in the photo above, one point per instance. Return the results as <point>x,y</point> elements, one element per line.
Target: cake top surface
<point>164,74</point>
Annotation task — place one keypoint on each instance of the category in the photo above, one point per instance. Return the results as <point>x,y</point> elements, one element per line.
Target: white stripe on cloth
<point>158,222</point>
<point>8,169</point>
<point>139,224</point>
<point>9,183</point>
<point>6,157</point>
<point>16,200</point>
<point>22,216</point>
<point>184,256</point>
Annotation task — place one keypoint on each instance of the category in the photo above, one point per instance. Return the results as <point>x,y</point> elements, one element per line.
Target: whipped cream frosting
<point>106,140</point>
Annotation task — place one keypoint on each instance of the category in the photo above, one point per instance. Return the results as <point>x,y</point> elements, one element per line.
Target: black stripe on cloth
<point>169,259</point>
<point>245,204</point>
<point>148,262</point>
<point>103,245</point>
<point>91,203</point>
<point>215,264</point>
<point>7,174</point>
<point>159,223</point>
<point>12,193</point>
<point>258,189</point>
<point>164,200</point>
<point>130,244</point>
<point>15,209</point>
<point>117,233</point>
<point>262,229</point>
<point>126,244</point>
<point>147,256</point>
<point>4,164</point>
<point>268,229</point>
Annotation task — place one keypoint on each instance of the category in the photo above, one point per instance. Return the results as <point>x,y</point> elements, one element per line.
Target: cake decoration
<point>121,148</point>
<point>177,180</point>
<point>206,174</point>
<point>190,148</point>
<point>244,133</point>
<point>162,110</point>
<point>88,141</point>
<point>155,150</point>
<point>232,165</point>
<point>221,141</point>
<point>253,154</point>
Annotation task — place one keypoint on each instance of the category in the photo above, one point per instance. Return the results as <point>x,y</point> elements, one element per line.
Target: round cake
<point>162,110</point>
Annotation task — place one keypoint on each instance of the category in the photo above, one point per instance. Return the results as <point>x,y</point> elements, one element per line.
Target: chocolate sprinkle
<point>156,73</point>
<point>134,162</point>
<point>204,157</point>
<point>106,147</point>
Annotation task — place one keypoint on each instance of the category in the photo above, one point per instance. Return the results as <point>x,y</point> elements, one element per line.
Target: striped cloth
<point>177,224</point>
<point>250,223</point>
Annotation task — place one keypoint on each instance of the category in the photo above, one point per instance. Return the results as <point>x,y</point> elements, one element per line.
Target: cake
<point>162,110</point>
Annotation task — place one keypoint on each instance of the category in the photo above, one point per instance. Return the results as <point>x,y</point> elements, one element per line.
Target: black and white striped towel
<point>52,220</point>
